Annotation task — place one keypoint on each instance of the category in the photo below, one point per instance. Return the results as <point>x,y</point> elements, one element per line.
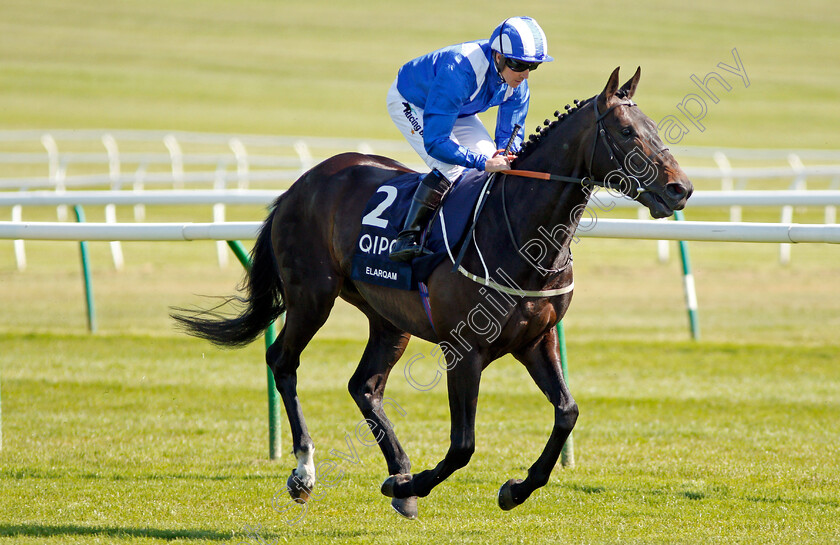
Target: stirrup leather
<point>425,202</point>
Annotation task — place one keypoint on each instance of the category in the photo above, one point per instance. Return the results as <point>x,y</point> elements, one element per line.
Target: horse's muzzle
<point>662,202</point>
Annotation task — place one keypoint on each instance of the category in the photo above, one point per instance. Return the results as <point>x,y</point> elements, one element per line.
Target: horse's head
<point>627,153</point>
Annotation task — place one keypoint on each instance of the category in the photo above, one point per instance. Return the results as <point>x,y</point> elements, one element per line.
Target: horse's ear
<point>609,91</point>
<point>629,88</point>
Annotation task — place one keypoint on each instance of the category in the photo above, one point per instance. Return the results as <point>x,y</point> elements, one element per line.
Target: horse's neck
<point>543,210</point>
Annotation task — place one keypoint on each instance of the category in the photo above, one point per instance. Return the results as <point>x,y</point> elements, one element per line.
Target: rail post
<point>20,249</point>
<point>688,284</point>
<point>273,397</point>
<point>219,211</point>
<point>83,251</point>
<point>176,155</point>
<point>113,150</point>
<point>798,184</point>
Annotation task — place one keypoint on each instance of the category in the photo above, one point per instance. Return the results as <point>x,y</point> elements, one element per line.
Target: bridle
<point>614,149</point>
<point>601,133</point>
<point>634,185</point>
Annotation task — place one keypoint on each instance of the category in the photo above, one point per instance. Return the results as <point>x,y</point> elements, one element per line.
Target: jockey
<point>434,102</point>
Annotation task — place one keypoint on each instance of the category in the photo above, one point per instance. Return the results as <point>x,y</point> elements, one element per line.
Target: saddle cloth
<point>383,219</point>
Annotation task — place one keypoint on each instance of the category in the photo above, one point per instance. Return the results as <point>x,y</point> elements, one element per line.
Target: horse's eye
<point>627,131</point>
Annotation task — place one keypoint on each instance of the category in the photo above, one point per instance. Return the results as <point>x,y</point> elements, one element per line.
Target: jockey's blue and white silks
<point>456,82</point>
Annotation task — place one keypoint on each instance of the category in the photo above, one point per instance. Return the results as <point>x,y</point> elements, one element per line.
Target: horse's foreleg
<point>367,386</point>
<point>462,382</point>
<point>542,360</point>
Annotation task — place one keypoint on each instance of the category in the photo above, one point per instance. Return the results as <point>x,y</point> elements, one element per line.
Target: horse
<point>301,263</point>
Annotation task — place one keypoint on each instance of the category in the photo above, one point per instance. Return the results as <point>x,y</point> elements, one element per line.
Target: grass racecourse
<point>138,434</point>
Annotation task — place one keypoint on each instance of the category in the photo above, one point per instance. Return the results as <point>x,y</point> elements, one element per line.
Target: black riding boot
<point>426,200</point>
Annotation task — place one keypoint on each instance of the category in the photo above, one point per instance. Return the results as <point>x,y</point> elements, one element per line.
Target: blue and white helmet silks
<point>520,38</point>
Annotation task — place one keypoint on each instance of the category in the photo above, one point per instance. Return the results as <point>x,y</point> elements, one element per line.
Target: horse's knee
<point>356,386</point>
<point>353,388</point>
<point>361,392</point>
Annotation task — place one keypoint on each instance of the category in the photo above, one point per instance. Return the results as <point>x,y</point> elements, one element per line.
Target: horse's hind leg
<point>367,386</point>
<point>307,307</point>
<point>542,360</point>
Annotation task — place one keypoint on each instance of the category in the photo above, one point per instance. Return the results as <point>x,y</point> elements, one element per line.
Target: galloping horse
<point>302,262</point>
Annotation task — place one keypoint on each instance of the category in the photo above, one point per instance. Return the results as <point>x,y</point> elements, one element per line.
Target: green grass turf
<point>140,435</point>
<point>146,439</point>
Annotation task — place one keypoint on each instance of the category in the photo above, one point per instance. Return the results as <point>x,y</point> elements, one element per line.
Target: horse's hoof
<point>391,483</point>
<point>297,490</point>
<point>506,501</point>
<point>406,507</point>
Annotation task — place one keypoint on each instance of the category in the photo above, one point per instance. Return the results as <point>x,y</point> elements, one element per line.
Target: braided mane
<point>542,131</point>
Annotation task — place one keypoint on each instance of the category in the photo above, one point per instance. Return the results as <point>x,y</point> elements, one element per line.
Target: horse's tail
<point>258,308</point>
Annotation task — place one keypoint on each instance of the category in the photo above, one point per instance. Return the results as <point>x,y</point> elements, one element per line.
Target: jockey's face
<point>513,79</point>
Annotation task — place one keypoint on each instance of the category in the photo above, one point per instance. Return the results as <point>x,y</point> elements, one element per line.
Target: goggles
<point>519,66</point>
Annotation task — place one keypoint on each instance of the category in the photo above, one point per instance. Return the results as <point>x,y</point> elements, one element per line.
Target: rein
<point>545,176</point>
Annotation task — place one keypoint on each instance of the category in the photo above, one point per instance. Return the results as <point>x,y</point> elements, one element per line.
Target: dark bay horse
<point>302,262</point>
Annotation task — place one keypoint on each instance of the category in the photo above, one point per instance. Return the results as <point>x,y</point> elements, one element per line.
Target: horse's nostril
<point>675,190</point>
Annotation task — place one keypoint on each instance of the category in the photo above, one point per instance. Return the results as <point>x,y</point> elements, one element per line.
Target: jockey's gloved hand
<point>500,161</point>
